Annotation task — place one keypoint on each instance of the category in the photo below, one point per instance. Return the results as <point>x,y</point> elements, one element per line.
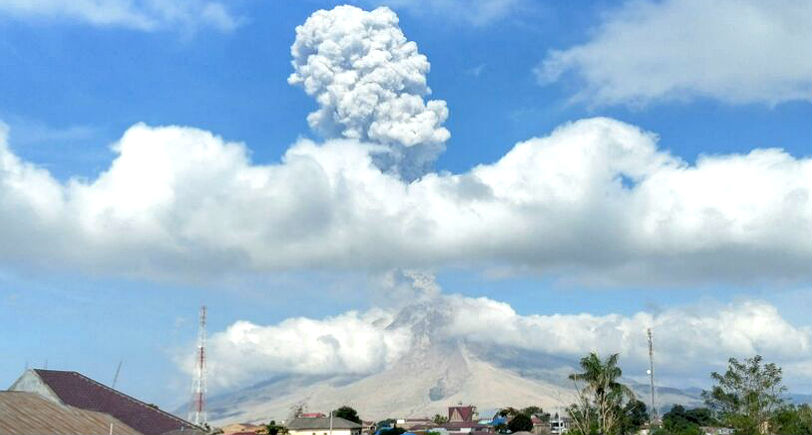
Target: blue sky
<point>70,87</point>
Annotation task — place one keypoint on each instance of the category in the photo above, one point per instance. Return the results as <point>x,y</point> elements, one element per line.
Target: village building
<point>244,428</point>
<point>24,413</point>
<point>76,392</point>
<point>323,426</point>
<point>462,414</point>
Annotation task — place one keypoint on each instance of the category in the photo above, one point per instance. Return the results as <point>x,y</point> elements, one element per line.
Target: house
<point>323,426</point>
<point>559,424</point>
<point>413,423</point>
<point>465,427</point>
<point>462,414</point>
<point>78,391</point>
<point>237,428</point>
<point>24,413</point>
<point>540,427</point>
<point>710,430</point>
<point>464,419</point>
<point>367,427</point>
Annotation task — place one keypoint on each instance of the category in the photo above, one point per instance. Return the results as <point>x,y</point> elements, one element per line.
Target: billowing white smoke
<point>369,82</point>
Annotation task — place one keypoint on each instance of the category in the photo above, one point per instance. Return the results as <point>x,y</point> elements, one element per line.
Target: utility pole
<point>653,415</point>
<point>197,414</point>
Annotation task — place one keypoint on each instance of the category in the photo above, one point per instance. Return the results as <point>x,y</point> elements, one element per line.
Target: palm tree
<point>601,390</point>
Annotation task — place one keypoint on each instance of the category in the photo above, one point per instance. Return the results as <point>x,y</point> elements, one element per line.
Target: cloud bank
<point>690,341</point>
<point>735,51</point>
<point>145,15</point>
<point>593,201</point>
<point>369,82</point>
<point>350,343</point>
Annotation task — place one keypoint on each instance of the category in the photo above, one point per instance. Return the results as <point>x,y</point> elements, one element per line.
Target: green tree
<point>388,423</point>
<point>347,413</point>
<point>633,417</point>
<point>792,420</point>
<point>508,412</point>
<point>747,395</point>
<point>536,411</point>
<point>275,429</point>
<point>520,423</point>
<point>678,421</point>
<point>600,395</point>
<point>439,419</point>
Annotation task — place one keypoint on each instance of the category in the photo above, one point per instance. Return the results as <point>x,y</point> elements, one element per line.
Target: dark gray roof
<point>322,423</point>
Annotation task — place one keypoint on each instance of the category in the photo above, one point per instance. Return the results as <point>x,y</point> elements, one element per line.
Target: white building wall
<point>324,431</point>
<point>32,383</point>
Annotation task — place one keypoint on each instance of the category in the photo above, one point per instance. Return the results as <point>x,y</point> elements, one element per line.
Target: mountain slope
<point>422,384</point>
<point>435,373</point>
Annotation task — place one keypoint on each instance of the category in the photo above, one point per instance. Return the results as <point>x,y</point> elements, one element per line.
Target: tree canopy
<point>275,429</point>
<point>600,395</point>
<point>347,413</point>
<point>519,423</point>
<point>746,395</point>
<point>633,417</point>
<point>439,419</point>
<point>679,421</point>
<point>792,420</point>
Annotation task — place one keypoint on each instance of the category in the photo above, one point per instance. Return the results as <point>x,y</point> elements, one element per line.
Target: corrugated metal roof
<point>77,390</point>
<point>24,413</point>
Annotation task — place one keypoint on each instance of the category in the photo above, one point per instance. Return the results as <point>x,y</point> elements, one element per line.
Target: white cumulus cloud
<point>181,202</point>
<point>595,201</point>
<point>369,82</point>
<point>690,341</point>
<point>735,51</point>
<point>350,343</point>
<point>476,12</point>
<point>144,15</point>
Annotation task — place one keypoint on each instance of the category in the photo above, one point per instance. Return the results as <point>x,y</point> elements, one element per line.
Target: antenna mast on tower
<point>651,375</point>
<point>197,414</point>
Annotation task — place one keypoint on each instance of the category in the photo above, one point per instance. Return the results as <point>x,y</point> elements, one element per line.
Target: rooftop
<point>321,423</point>
<point>77,390</point>
<point>24,413</point>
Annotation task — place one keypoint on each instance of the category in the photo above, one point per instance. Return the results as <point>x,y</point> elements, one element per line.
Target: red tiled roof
<point>466,412</point>
<point>77,390</point>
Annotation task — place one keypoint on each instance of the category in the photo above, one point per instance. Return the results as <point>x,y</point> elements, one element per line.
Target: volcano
<point>436,372</point>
